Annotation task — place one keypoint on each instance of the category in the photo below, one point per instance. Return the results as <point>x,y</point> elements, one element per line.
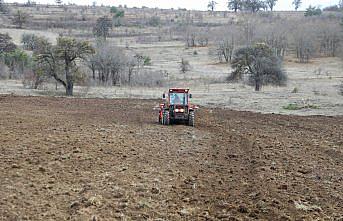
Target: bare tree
<point>271,4</point>
<point>102,27</point>
<point>248,27</point>
<point>225,49</point>
<point>303,45</point>
<point>329,38</point>
<point>19,19</point>
<point>108,63</point>
<point>211,5</point>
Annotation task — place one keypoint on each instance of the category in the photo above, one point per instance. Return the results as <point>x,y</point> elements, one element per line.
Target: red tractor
<point>177,108</point>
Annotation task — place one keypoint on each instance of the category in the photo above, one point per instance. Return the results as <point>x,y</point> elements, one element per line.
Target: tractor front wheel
<point>191,119</point>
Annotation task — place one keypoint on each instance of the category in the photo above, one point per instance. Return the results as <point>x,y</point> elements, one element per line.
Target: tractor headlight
<point>179,110</point>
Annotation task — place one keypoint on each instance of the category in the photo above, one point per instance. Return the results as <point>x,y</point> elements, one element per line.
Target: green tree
<point>3,7</point>
<point>259,64</point>
<point>102,27</point>
<point>254,5</point>
<point>19,19</point>
<point>296,4</point>
<point>313,11</point>
<point>235,5</point>
<point>16,60</point>
<point>117,13</point>
<point>65,56</point>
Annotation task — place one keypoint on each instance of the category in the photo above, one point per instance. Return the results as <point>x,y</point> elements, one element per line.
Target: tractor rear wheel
<point>191,119</point>
<point>165,119</point>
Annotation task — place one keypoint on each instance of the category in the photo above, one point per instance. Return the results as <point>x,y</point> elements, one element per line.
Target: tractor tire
<point>165,119</point>
<point>191,119</point>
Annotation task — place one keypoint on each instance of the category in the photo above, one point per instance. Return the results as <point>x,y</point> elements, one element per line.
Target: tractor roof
<point>179,90</point>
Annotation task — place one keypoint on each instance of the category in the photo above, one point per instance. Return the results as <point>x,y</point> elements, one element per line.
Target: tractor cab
<point>177,107</point>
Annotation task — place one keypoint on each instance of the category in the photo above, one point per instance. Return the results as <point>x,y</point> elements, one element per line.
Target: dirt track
<point>77,159</point>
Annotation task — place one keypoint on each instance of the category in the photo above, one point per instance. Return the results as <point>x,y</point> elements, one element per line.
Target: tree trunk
<point>257,85</point>
<point>69,81</point>
<point>69,88</point>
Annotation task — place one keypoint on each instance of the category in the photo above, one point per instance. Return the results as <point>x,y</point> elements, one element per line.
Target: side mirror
<point>164,96</point>
<point>190,96</point>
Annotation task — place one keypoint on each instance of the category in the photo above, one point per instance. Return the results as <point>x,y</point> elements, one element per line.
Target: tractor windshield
<point>178,98</point>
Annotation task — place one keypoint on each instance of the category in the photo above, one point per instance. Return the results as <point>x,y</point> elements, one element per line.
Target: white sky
<point>189,4</point>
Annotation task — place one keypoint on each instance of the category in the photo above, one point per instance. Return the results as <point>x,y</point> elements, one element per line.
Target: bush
<point>184,66</point>
<point>148,79</point>
<point>313,11</point>
<point>295,106</point>
<point>154,21</point>
<point>28,40</point>
<point>33,79</point>
<point>117,13</point>
<point>147,61</point>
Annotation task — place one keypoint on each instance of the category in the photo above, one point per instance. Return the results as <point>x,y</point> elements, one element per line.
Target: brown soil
<point>97,159</point>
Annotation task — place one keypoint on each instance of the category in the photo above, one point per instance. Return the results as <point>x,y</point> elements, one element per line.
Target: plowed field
<point>103,159</point>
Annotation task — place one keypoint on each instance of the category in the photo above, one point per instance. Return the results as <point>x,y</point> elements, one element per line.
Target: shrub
<point>184,66</point>
<point>147,60</point>
<point>154,21</point>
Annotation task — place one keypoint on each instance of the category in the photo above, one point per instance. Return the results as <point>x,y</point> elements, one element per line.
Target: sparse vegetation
<point>295,106</point>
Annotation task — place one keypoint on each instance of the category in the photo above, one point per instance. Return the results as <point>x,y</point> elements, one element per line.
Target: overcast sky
<point>189,4</point>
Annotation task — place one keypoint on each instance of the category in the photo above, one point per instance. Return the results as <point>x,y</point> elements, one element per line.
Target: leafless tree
<point>304,45</point>
<point>19,19</point>
<point>108,62</point>
<point>212,5</point>
<point>330,38</point>
<point>271,4</point>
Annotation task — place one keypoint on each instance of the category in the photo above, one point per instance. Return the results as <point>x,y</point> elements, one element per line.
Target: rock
<point>242,209</point>
<point>41,169</point>
<point>15,166</point>
<point>184,212</point>
<point>155,190</point>
<point>74,205</point>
